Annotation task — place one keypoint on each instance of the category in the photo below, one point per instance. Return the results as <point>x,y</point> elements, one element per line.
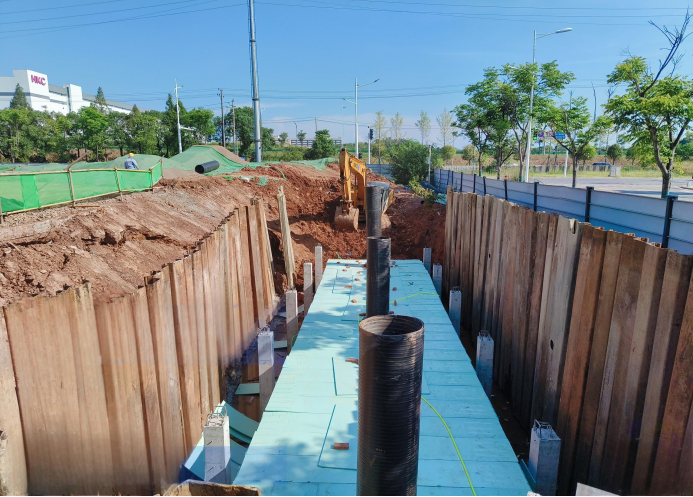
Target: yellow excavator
<point>352,176</point>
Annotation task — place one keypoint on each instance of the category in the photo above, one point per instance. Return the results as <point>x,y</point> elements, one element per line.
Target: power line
<point>59,8</point>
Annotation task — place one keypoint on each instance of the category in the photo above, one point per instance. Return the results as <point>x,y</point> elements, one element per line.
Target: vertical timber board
<point>510,250</point>
<point>497,281</point>
<point>245,286</point>
<point>265,254</point>
<point>236,270</point>
<point>490,210</point>
<point>116,329</point>
<point>542,222</point>
<point>13,476</point>
<point>597,360</point>
<point>164,343</point>
<point>186,350</point>
<point>448,236</point>
<point>464,209</point>
<point>626,428</point>
<point>472,293</point>
<point>227,293</point>
<point>494,245</point>
<point>620,334</point>
<point>199,355</point>
<point>677,410</point>
<point>483,215</point>
<point>684,482</point>
<point>566,258</point>
<point>197,275</point>
<point>36,360</point>
<point>210,335</point>
<point>584,312</point>
<point>540,378</point>
<point>676,278</point>
<point>248,277</point>
<point>256,268</point>
<point>470,257</point>
<point>213,306</point>
<point>149,389</point>
<point>457,241</point>
<point>91,389</point>
<point>524,258</point>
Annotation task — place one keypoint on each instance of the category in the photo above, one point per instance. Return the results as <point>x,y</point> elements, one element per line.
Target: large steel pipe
<point>374,211</point>
<point>390,367</point>
<point>378,277</point>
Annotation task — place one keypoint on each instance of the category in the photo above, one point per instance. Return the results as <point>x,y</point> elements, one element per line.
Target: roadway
<point>651,187</point>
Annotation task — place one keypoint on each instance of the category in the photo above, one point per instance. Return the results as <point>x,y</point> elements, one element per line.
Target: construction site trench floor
<point>314,403</point>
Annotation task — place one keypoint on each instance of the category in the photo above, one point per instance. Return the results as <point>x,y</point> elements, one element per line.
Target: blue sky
<point>309,51</point>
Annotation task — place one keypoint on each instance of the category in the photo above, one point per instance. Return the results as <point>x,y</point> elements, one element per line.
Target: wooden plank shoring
<point>620,334</point>
<point>675,287</point>
<point>670,449</point>
<point>164,341</point>
<point>13,471</point>
<point>115,324</point>
<point>584,313</point>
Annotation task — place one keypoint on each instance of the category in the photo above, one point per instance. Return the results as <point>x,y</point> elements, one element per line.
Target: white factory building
<point>42,95</point>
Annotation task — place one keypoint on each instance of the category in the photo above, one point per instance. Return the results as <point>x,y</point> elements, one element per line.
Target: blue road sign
<point>560,136</point>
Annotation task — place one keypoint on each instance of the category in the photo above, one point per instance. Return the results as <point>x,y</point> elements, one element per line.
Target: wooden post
<point>286,238</point>
<point>115,169</point>
<point>307,286</point>
<point>318,266</point>
<point>265,354</point>
<point>291,317</point>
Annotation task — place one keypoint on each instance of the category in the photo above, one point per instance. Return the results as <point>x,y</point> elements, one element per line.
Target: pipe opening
<point>391,325</point>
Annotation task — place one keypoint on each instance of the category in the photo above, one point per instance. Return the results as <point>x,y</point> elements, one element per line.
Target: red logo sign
<point>38,79</point>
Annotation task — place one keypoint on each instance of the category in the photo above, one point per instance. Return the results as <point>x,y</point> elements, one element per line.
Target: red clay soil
<point>114,244</point>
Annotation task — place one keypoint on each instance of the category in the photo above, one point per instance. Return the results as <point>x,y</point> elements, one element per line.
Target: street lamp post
<point>356,112</point>
<point>531,96</point>
<point>296,130</point>
<point>180,144</point>
<point>343,107</point>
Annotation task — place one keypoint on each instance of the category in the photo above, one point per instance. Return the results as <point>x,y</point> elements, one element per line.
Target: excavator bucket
<point>346,221</point>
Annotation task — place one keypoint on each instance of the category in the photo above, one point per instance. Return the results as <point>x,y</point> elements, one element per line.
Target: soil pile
<point>114,244</point>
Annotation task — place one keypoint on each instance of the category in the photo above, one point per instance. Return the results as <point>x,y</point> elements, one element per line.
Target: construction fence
<point>666,221</point>
<point>593,333</point>
<point>110,398</point>
<point>24,191</point>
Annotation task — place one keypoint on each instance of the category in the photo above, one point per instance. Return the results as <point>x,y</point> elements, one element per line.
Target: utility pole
<point>233,112</point>
<point>256,88</point>
<point>356,117</point>
<point>223,121</point>
<point>180,143</point>
<point>429,162</point>
<point>369,145</point>
<point>316,127</point>
<point>343,107</point>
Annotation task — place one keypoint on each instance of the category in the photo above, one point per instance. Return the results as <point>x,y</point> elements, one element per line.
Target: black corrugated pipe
<point>378,276</point>
<point>374,200</point>
<point>390,364</point>
<point>207,167</point>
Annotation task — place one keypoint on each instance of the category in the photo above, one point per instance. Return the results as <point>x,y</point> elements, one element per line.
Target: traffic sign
<point>560,136</point>
<point>540,134</point>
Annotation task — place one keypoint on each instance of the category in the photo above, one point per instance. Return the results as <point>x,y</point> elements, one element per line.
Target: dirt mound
<point>115,244</point>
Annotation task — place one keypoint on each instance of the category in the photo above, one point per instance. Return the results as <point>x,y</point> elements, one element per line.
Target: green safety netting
<point>20,191</point>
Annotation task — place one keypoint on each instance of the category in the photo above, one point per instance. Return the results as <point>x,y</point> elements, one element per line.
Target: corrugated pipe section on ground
<point>390,367</point>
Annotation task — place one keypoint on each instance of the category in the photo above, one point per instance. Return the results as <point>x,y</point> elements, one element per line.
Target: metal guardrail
<point>664,221</point>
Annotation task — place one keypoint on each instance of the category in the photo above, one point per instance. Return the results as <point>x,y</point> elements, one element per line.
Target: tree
<point>468,153</point>
<point>19,100</point>
<point>284,137</point>
<point>447,153</point>
<point>396,124</point>
<point>301,135</point>
<point>380,131</point>
<point>99,102</point>
<point>170,125</point>
<point>424,125</point>
<point>202,121</point>
<point>408,160</point>
<point>323,146</point>
<point>587,153</point>
<point>117,130</point>
<point>548,83</point>
<point>475,126</point>
<point>445,123</point>
<point>614,152</point>
<point>13,122</point>
<point>685,151</point>
<point>655,107</point>
<point>575,120</point>
<point>268,140</point>
<point>92,124</point>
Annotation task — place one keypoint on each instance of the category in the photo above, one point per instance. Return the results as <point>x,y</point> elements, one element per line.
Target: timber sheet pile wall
<point>110,398</point>
<point>593,333</point>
